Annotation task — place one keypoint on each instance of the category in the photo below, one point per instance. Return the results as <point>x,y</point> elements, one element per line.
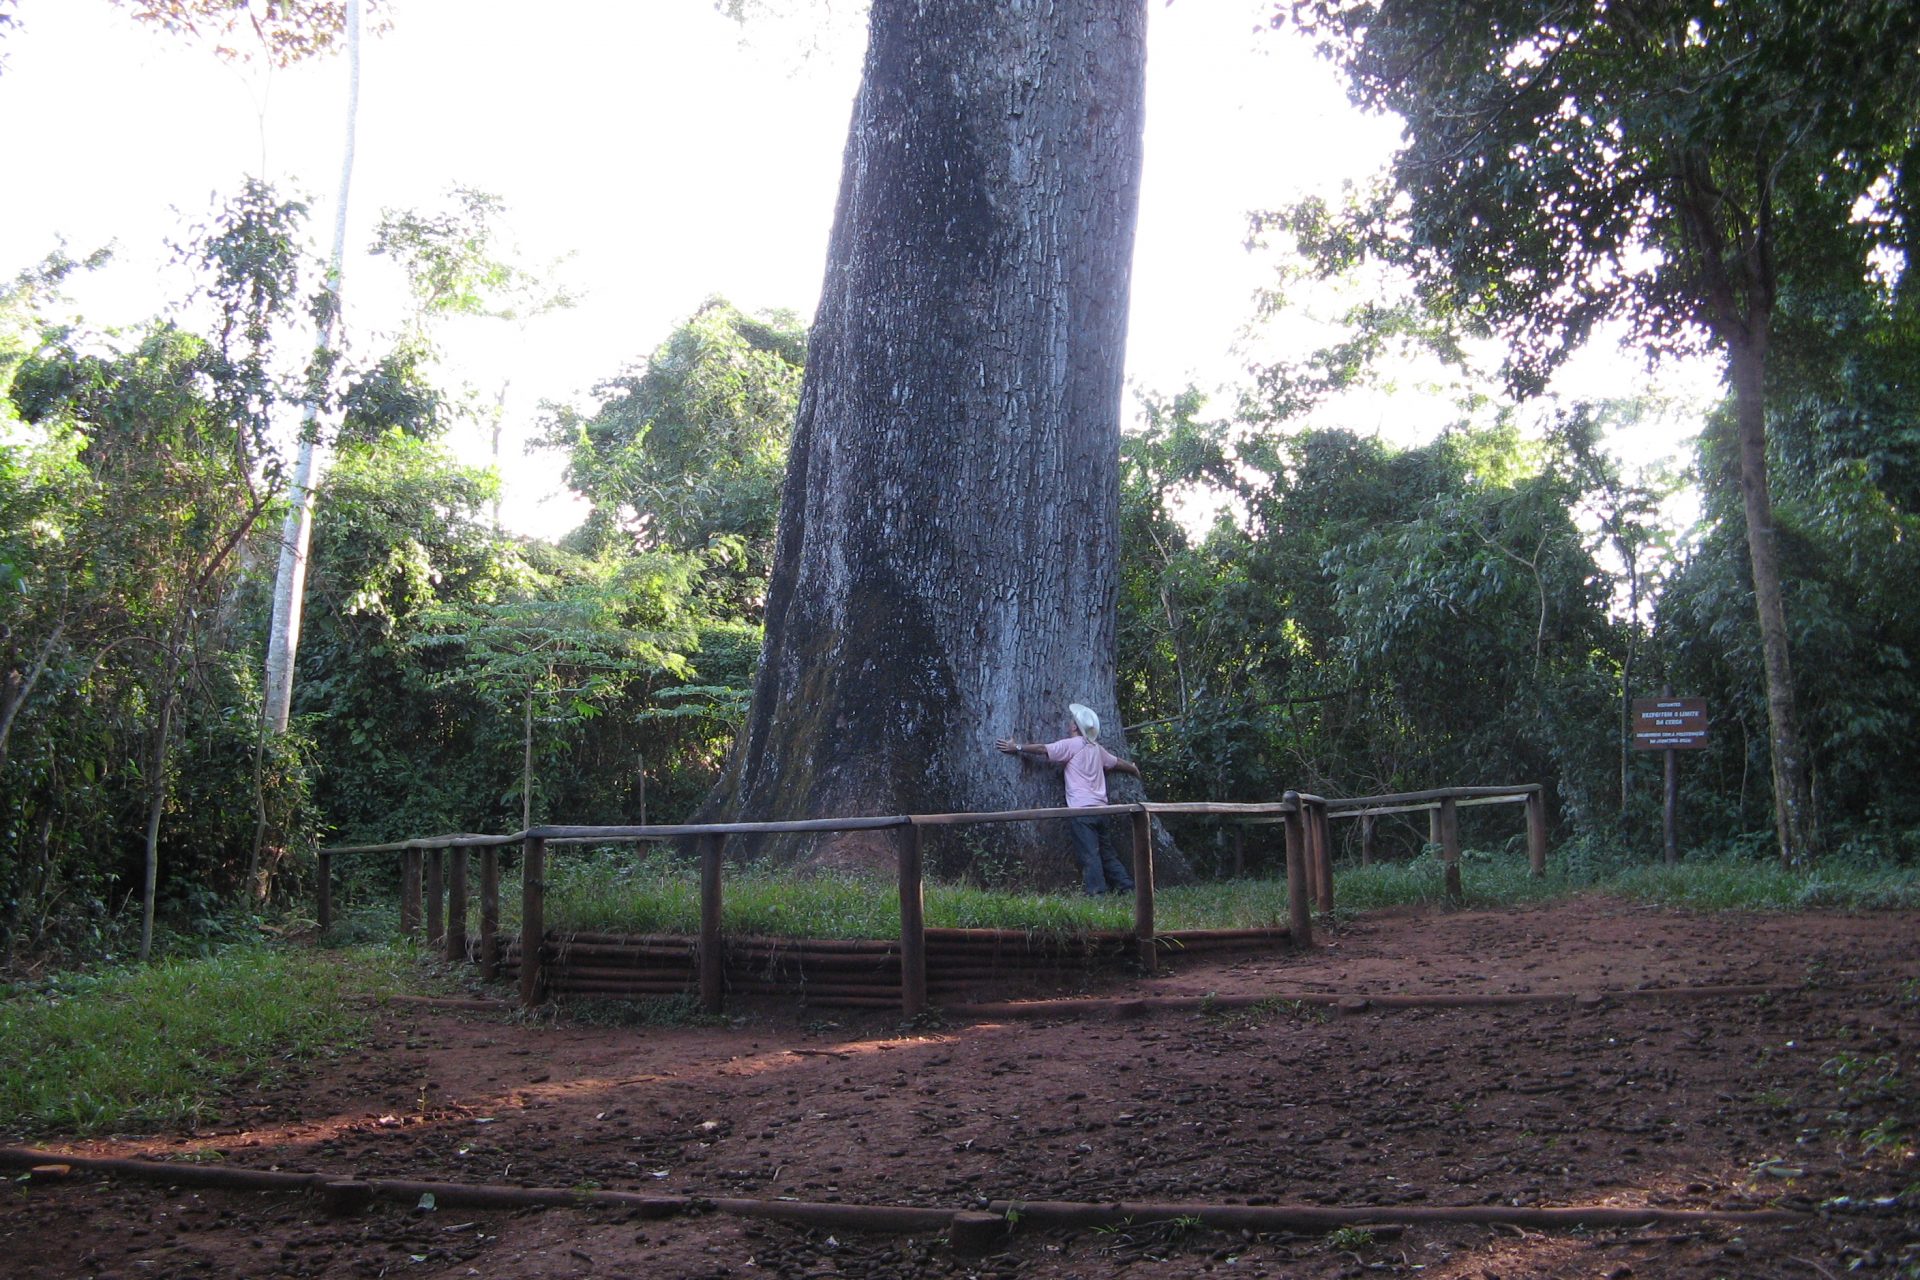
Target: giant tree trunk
<point>945,570</point>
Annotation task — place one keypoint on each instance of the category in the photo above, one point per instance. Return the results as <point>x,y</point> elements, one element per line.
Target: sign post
<point>1667,724</point>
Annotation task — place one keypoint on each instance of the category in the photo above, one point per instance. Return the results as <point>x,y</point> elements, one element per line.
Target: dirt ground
<point>1803,1099</point>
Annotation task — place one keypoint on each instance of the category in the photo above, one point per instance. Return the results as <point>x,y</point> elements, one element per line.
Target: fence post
<point>913,924</point>
<point>436,897</point>
<point>323,889</point>
<point>1239,852</point>
<point>712,962</point>
<point>490,913</point>
<point>1537,831</point>
<point>409,892</point>
<point>1366,839</point>
<point>1143,887</point>
<point>457,904</point>
<point>1449,823</point>
<point>1309,854</point>
<point>533,920</point>
<point>1299,908</point>
<point>1321,830</point>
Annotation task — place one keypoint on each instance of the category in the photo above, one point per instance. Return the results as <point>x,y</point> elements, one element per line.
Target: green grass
<point>154,1047</point>
<point>617,891</point>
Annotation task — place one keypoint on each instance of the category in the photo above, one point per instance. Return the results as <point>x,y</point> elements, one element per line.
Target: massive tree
<point>1679,163</point>
<point>944,567</point>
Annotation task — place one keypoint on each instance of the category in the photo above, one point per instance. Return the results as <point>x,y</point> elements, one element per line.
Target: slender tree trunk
<point>158,765</point>
<point>290,580</point>
<point>526,764</point>
<point>18,687</point>
<point>1626,670</point>
<point>1792,793</point>
<point>944,571</point>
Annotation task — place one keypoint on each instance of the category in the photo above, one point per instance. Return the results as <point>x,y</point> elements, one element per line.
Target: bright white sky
<point>665,159</point>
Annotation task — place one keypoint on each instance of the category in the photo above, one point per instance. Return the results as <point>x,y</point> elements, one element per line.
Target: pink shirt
<point>1087,764</point>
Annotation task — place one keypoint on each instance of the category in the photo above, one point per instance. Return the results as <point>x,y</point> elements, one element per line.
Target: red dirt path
<point>1794,1100</point>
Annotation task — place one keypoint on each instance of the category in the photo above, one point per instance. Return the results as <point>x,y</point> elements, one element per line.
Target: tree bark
<point>290,577</point>
<point>1792,790</point>
<point>1735,260</point>
<point>944,568</point>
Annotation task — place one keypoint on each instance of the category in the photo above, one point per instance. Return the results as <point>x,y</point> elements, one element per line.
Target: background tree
<point>555,661</point>
<point>170,494</point>
<point>283,31</point>
<point>686,452</point>
<point>290,575</point>
<point>1682,164</point>
<point>944,569</point>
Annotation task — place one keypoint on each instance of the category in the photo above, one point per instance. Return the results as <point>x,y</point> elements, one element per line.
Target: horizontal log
<point>734,942</point>
<point>1348,803</point>
<point>564,953</point>
<point>901,1218</point>
<point>467,1195</point>
<point>1266,933</point>
<point>1018,815</point>
<point>1020,936</point>
<point>1295,1217</point>
<point>1203,808</point>
<point>674,830</point>
<point>621,990</point>
<point>462,841</point>
<point>1424,807</point>
<point>576,973</point>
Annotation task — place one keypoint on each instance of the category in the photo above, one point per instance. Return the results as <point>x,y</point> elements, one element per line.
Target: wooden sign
<point>1669,724</point>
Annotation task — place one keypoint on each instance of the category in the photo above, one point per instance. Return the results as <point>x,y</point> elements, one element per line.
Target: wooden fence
<point>443,863</point>
<point>1443,807</point>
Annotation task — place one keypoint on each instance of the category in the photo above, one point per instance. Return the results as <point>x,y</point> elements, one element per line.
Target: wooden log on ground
<point>1035,1213</point>
<point>1052,1215</point>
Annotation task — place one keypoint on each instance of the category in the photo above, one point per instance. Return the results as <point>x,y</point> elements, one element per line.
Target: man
<point>1085,763</point>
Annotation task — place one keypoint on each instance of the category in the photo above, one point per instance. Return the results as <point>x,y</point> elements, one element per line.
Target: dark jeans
<point>1100,870</point>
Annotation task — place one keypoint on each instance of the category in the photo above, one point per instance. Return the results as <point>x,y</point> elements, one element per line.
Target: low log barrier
<point>906,971</point>
<point>968,1228</point>
<point>850,972</point>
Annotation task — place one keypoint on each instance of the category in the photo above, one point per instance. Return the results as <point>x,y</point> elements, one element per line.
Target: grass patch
<point>616,891</point>
<point>619,891</point>
<point>154,1047</point>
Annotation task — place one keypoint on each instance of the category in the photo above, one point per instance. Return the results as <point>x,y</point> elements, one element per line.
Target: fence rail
<point>443,861</point>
